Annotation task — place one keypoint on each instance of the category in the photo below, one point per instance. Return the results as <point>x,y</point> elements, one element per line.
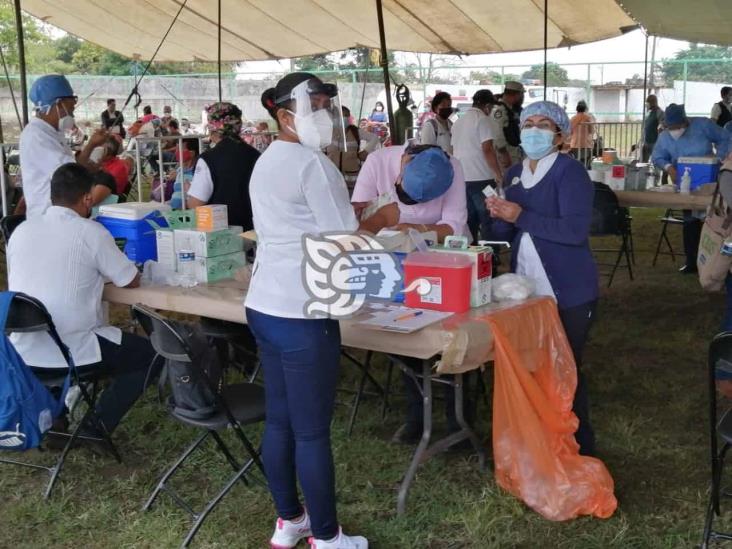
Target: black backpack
<point>512,131</point>
<point>194,386</point>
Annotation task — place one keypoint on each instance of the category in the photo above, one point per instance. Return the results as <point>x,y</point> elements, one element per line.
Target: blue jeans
<point>300,359</point>
<point>479,221</point>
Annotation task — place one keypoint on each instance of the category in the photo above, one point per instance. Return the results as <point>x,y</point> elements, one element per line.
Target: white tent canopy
<point>262,29</point>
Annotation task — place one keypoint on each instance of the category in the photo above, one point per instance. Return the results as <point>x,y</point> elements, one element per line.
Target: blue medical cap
<point>675,114</point>
<point>550,110</point>
<point>428,175</point>
<point>46,90</point>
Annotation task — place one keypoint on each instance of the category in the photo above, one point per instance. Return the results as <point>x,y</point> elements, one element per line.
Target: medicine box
<point>444,281</point>
<point>221,267</point>
<point>481,275</point>
<point>703,170</point>
<point>131,211</point>
<point>209,243</point>
<point>212,217</point>
<point>165,241</point>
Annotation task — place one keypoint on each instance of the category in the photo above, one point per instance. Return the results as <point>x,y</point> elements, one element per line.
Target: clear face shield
<point>316,108</point>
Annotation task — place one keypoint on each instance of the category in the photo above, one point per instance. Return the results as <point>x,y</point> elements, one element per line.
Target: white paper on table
<point>386,319</point>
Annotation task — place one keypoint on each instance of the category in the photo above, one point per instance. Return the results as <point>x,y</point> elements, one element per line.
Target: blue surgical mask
<point>537,143</point>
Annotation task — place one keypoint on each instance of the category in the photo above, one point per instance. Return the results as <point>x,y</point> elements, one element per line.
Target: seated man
<point>63,259</point>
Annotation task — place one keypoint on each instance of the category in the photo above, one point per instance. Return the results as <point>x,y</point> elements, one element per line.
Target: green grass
<point>646,369</point>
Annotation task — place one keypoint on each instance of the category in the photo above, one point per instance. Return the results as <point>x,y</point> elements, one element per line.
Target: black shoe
<point>688,269</point>
<point>407,434</point>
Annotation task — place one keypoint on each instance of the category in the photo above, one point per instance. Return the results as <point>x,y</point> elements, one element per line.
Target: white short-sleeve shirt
<point>42,149</point>
<point>63,260</point>
<point>294,191</point>
<point>468,135</point>
<point>435,132</point>
<point>202,186</point>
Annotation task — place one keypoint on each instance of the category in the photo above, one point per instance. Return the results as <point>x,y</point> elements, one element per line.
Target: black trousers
<point>577,322</point>
<point>692,230</point>
<point>127,366</point>
<point>479,221</point>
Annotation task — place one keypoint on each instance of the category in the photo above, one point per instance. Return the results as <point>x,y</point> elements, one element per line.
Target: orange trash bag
<point>536,456</point>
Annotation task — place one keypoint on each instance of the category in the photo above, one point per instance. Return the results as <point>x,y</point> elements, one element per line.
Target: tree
<point>556,75</point>
<point>8,37</point>
<point>718,71</point>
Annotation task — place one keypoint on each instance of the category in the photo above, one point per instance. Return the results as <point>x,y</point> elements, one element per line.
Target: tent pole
<point>546,43</point>
<point>645,94</point>
<point>385,67</point>
<point>21,60</point>
<point>219,54</point>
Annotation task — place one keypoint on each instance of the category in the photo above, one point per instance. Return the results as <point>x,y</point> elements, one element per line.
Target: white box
<point>132,210</point>
<point>212,217</point>
<point>481,274</point>
<point>165,241</point>
<point>221,267</point>
<point>209,243</point>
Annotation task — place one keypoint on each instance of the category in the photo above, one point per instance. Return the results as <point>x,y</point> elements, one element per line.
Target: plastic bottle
<point>187,268</point>
<point>685,187</point>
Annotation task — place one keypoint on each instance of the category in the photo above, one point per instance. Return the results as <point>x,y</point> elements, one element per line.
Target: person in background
<point>547,213</point>
<point>653,122</point>
<point>688,137</point>
<point>147,114</point>
<point>473,139</point>
<point>223,172</point>
<point>171,145</point>
<point>367,141</point>
<point>297,191</point>
<point>721,113</point>
<point>111,163</point>
<point>184,174</point>
<point>582,130</point>
<point>84,256</point>
<point>378,114</point>
<point>185,127</point>
<point>438,130</point>
<point>43,145</point>
<point>112,119</point>
<point>506,115</point>
<point>430,192</point>
<point>166,119</point>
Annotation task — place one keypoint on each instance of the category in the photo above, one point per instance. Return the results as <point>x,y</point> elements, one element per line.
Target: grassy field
<point>646,369</point>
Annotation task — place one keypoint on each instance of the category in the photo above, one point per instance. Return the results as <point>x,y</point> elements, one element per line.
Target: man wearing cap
<point>473,143</point>
<point>686,136</point>
<point>223,172</point>
<point>506,114</point>
<point>430,193</point>
<point>43,146</point>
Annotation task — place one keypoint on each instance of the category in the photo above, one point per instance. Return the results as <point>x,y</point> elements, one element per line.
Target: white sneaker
<point>288,533</point>
<point>341,541</point>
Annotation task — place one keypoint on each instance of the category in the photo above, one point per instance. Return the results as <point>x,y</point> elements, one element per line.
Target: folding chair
<point>28,315</point>
<point>237,405</point>
<point>720,354</point>
<point>671,217</point>
<point>610,219</point>
<point>235,345</point>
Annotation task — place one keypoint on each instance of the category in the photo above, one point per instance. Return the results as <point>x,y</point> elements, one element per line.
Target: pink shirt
<point>380,172</point>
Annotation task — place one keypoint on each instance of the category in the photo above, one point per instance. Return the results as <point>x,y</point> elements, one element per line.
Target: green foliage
<point>556,75</point>
<point>720,71</point>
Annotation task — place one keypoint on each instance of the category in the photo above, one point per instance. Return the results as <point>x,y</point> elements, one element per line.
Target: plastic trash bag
<point>511,286</point>
<point>536,456</point>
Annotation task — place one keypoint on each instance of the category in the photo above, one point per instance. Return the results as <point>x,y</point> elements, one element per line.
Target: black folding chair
<point>670,217</point>
<point>27,315</point>
<point>610,219</point>
<point>237,405</point>
<point>720,355</point>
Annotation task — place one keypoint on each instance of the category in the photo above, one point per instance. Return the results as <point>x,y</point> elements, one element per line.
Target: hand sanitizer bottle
<point>685,187</point>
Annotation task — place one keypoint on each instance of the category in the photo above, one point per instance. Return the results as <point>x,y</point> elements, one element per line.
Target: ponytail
<point>268,102</point>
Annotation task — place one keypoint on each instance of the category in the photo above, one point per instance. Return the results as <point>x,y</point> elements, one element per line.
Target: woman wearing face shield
<point>547,213</point>
<point>295,191</point>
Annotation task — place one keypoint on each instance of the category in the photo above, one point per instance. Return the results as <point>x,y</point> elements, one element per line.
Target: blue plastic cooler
<point>140,235</point>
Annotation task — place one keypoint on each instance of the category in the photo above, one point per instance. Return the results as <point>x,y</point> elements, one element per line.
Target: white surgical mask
<point>66,122</point>
<point>315,131</point>
<point>677,133</point>
<point>97,154</point>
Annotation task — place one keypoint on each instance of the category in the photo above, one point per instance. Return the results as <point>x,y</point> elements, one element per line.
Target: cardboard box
<point>399,241</point>
<point>209,243</point>
<point>482,270</point>
<point>212,217</point>
<point>221,267</point>
<point>165,242</point>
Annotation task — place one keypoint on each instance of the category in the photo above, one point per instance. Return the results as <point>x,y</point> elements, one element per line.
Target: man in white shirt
<point>63,259</point>
<point>43,146</point>
<point>473,143</point>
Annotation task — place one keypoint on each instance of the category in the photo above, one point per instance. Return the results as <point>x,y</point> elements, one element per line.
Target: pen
<point>408,315</point>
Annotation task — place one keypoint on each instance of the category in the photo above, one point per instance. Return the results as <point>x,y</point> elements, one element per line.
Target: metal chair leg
<point>170,472</point>
<point>387,390</point>
<point>628,251</point>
